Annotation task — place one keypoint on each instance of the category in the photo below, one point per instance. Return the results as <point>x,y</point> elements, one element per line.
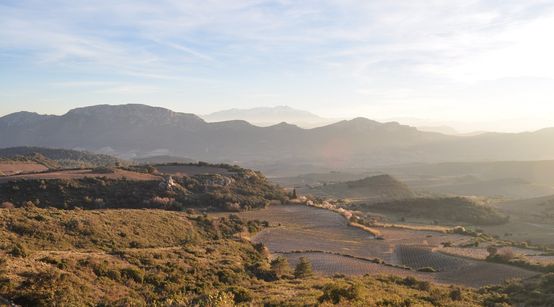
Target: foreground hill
<point>53,257</point>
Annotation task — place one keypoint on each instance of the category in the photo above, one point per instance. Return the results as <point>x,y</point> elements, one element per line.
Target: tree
<point>303,268</point>
<point>294,196</point>
<point>280,266</point>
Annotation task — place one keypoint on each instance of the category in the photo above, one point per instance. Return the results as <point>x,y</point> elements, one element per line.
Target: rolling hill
<point>376,188</point>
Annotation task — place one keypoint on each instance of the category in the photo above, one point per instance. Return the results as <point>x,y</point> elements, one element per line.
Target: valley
<point>334,247</point>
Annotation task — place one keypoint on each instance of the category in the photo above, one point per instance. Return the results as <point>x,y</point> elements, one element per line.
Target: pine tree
<point>294,196</point>
<point>303,268</point>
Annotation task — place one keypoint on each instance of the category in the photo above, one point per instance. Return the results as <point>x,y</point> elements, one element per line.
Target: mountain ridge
<point>134,130</point>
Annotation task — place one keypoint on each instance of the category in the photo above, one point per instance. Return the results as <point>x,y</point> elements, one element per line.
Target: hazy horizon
<point>425,124</point>
<point>476,65</point>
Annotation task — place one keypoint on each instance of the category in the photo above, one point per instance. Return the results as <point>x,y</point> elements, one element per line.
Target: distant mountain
<point>268,116</point>
<point>440,129</point>
<point>138,130</point>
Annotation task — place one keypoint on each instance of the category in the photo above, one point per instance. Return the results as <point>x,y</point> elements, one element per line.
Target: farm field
<point>304,230</point>
<point>80,173</point>
<point>330,264</point>
<point>16,167</point>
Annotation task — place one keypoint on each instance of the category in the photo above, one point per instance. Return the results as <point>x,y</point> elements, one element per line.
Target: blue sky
<point>474,64</point>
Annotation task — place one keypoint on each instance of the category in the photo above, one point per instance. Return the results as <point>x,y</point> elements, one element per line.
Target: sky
<point>470,64</point>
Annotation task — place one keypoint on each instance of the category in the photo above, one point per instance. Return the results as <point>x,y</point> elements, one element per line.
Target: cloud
<point>418,52</point>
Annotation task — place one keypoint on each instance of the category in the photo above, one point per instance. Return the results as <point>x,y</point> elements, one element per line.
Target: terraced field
<point>298,230</point>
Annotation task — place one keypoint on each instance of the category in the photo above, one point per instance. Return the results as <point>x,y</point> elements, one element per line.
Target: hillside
<point>58,158</point>
<point>72,257</point>
<point>221,187</point>
<point>505,179</point>
<point>453,210</point>
<point>375,188</point>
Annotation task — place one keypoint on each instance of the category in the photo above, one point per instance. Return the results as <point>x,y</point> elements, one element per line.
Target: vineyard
<point>335,248</point>
<point>417,257</point>
<point>329,264</point>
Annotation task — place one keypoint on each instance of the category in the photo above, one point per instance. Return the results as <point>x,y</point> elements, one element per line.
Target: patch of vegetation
<point>506,256</point>
<point>241,190</point>
<point>453,209</point>
<point>59,158</point>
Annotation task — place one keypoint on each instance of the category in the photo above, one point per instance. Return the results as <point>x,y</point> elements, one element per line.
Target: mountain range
<point>131,131</point>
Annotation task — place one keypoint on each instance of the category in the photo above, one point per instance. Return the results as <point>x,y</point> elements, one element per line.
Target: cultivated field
<point>418,257</point>
<point>81,173</point>
<point>298,230</point>
<point>330,264</point>
<point>16,167</point>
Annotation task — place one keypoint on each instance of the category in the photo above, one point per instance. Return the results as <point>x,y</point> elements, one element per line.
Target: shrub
<point>241,294</point>
<point>19,250</point>
<point>303,268</point>
<point>335,293</point>
<point>456,294</point>
<point>133,273</point>
<point>280,266</point>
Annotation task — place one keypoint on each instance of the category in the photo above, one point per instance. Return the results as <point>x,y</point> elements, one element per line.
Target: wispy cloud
<point>391,51</point>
